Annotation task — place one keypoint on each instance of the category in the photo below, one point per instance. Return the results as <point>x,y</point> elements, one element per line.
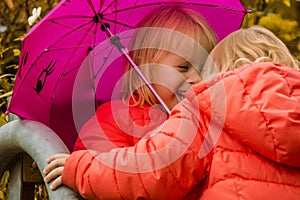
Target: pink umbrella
<point>56,47</point>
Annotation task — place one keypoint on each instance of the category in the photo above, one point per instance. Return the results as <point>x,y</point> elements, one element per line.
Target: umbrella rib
<point>105,60</point>
<point>130,12</point>
<point>92,66</point>
<point>75,49</point>
<point>104,50</point>
<point>107,7</point>
<point>130,9</point>
<point>100,5</point>
<point>70,17</point>
<point>115,25</point>
<point>71,47</point>
<point>72,29</point>
<point>177,3</point>
<point>92,7</point>
<point>120,23</point>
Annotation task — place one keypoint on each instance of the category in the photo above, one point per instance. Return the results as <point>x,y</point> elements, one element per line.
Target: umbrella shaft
<point>124,51</point>
<point>115,40</point>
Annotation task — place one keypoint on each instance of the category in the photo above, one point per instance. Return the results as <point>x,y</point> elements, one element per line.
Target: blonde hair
<point>254,44</point>
<point>150,45</point>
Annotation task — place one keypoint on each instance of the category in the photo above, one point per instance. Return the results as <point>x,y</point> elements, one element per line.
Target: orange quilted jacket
<point>118,125</point>
<point>235,137</point>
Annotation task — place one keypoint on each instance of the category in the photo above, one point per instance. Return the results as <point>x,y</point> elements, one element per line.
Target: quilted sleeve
<point>162,166</point>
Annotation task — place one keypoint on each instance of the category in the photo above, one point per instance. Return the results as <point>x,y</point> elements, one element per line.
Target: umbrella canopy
<point>55,48</point>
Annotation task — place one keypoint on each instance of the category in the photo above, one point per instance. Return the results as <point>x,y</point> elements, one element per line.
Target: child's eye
<point>183,68</point>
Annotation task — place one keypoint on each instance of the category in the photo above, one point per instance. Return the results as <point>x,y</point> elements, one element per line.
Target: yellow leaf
<point>4,185</point>
<point>10,4</point>
<point>2,195</point>
<point>16,52</point>
<point>4,180</point>
<point>287,3</point>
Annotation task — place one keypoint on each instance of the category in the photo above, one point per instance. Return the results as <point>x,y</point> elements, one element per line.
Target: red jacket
<point>118,125</point>
<point>236,137</point>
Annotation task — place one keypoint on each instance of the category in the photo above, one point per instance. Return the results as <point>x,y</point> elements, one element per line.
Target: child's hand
<point>54,170</point>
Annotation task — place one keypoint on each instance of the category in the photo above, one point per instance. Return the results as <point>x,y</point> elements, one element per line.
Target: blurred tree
<point>280,16</point>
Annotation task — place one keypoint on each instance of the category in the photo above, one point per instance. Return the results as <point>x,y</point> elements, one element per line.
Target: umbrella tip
<point>6,112</point>
<point>248,11</point>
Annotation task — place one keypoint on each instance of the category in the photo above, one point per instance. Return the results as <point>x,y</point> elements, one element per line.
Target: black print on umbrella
<point>22,63</point>
<point>43,77</point>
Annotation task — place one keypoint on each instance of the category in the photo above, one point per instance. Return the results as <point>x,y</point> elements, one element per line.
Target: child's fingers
<point>56,183</point>
<point>56,156</point>
<point>53,174</point>
<point>58,162</point>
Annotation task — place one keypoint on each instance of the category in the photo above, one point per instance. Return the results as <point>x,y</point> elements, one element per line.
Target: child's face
<point>173,76</point>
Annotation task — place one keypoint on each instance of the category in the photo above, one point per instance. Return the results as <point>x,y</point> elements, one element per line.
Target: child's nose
<point>194,78</point>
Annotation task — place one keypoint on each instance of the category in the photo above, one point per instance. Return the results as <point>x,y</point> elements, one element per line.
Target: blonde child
<point>249,150</point>
<point>169,45</point>
<point>256,44</point>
